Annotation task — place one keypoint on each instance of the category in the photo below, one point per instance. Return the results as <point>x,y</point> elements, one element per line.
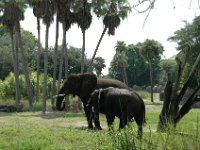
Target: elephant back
<point>105,83</point>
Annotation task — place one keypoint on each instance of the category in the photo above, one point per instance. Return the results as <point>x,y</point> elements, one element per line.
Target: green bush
<point>9,85</point>
<point>2,92</point>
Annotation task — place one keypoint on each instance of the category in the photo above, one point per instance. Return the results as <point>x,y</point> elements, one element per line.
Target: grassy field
<point>61,130</point>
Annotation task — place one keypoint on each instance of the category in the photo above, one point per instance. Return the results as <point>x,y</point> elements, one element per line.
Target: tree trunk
<point>26,69</point>
<point>61,57</point>
<point>187,106</point>
<point>16,68</point>
<point>151,80</point>
<point>173,109</point>
<point>67,107</point>
<point>163,117</point>
<point>55,63</point>
<point>83,53</point>
<point>122,71</point>
<point>97,47</point>
<point>171,114</point>
<point>38,62</point>
<point>82,65</point>
<point>125,76</point>
<point>45,69</point>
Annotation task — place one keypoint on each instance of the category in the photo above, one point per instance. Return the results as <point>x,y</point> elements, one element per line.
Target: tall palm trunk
<point>61,57</point>
<point>67,107</point>
<point>97,47</point>
<point>26,69</point>
<point>55,63</point>
<point>83,53</point>
<point>38,61</point>
<point>82,65</point>
<point>151,80</point>
<point>16,69</point>
<point>125,76</point>
<point>45,68</point>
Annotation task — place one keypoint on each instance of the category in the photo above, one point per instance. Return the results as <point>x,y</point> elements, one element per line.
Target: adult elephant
<point>83,85</point>
<point>121,103</point>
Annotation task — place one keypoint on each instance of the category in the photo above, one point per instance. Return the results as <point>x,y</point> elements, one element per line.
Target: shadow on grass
<point>4,114</point>
<point>53,114</point>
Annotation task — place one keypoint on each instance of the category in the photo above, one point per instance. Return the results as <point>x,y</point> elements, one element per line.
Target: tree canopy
<point>137,70</point>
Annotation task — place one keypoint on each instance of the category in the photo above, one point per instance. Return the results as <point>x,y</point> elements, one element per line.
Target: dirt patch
<point>76,124</point>
<point>153,108</point>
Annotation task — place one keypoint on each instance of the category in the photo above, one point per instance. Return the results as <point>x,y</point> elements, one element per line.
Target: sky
<point>166,17</point>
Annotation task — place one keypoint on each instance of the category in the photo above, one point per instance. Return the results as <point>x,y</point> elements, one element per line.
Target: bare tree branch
<point>187,106</point>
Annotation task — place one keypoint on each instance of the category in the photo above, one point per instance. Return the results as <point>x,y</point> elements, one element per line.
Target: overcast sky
<point>163,21</point>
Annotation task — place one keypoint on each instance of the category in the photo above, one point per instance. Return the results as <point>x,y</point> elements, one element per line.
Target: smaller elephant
<point>122,103</point>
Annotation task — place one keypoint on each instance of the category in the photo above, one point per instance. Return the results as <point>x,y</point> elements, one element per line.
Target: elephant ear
<point>88,84</point>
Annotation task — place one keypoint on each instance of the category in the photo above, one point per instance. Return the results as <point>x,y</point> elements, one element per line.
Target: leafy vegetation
<point>132,65</point>
<point>55,130</point>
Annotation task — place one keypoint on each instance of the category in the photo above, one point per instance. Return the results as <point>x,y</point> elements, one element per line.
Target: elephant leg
<point>123,120</point>
<point>110,119</point>
<point>96,121</point>
<point>139,122</point>
<point>89,115</point>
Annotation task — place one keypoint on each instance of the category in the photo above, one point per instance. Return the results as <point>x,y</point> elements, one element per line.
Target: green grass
<point>60,131</point>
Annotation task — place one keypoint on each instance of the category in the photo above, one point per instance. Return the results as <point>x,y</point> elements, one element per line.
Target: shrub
<point>9,85</point>
<point>2,92</point>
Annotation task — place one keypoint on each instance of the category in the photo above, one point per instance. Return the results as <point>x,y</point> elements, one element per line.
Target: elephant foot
<point>98,128</point>
<point>90,126</point>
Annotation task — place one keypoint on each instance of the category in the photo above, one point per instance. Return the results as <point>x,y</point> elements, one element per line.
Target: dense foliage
<point>136,66</point>
<point>6,60</point>
<point>188,41</point>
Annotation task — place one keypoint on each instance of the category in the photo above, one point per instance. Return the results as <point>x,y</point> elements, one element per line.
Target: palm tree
<point>122,58</point>
<point>55,62</point>
<point>112,16</point>
<point>38,12</point>
<point>25,67</point>
<point>151,49</point>
<point>67,18</point>
<point>15,10</point>
<point>99,64</point>
<point>8,20</point>
<point>49,9</point>
<point>84,20</point>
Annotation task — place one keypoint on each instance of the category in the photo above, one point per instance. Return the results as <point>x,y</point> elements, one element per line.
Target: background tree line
<point>30,43</point>
<point>136,67</point>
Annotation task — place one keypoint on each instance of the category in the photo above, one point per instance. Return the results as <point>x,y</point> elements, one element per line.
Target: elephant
<point>114,102</point>
<point>83,85</point>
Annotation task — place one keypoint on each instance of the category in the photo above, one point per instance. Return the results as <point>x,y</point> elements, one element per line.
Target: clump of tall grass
<point>127,139</point>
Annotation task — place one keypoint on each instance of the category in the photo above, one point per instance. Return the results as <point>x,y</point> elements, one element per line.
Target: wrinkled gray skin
<point>83,85</point>
<point>121,103</point>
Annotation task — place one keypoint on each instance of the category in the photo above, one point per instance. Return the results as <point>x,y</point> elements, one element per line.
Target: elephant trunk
<point>60,105</point>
